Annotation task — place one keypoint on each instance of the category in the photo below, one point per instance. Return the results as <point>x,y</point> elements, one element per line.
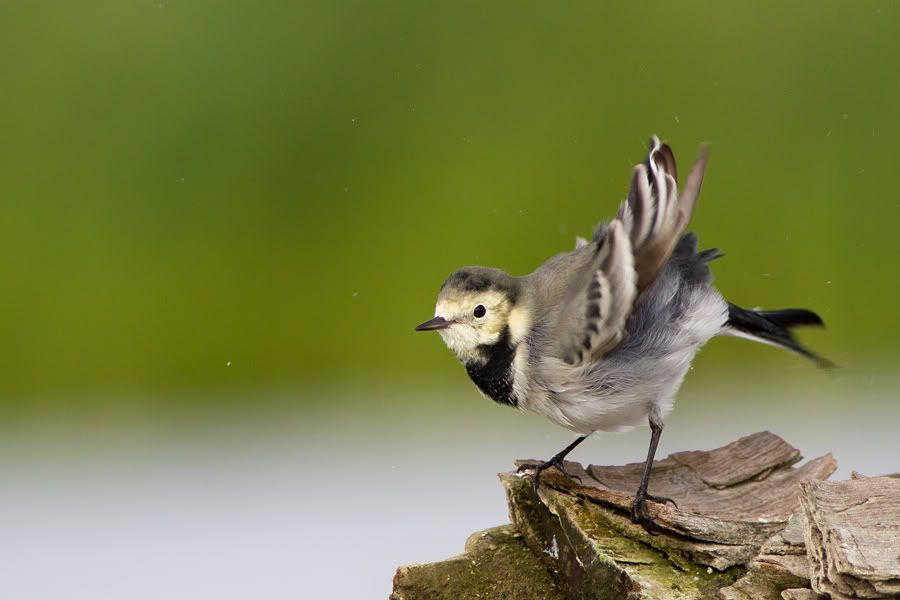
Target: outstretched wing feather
<point>634,248</point>
<point>595,318</point>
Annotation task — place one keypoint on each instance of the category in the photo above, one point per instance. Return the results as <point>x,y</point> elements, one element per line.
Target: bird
<point>600,338</point>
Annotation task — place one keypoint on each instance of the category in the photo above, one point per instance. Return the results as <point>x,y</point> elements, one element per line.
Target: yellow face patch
<point>460,306</point>
<point>468,332</point>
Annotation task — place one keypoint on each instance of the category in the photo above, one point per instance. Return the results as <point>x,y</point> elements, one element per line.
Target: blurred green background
<point>201,197</point>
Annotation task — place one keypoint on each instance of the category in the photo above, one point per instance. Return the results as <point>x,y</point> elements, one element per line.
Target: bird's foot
<point>641,516</point>
<point>539,468</point>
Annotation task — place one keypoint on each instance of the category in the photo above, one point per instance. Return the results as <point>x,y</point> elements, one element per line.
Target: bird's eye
<point>480,311</point>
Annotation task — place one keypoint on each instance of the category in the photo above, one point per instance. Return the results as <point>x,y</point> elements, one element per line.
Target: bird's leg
<point>556,461</point>
<point>639,512</point>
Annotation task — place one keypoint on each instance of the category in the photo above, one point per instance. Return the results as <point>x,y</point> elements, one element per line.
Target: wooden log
<point>713,506</point>
<point>496,564</point>
<point>721,521</point>
<point>739,532</point>
<point>597,554</point>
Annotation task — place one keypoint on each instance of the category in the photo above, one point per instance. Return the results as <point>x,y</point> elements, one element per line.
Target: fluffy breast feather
<point>676,316</point>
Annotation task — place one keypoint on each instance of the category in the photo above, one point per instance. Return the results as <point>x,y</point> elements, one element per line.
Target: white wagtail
<point>600,338</point>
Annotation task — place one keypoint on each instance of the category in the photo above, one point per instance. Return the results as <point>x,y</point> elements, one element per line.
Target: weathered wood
<point>596,555</point>
<point>799,594</point>
<point>852,536</point>
<point>712,506</point>
<point>781,564</point>
<point>496,564</point>
<point>720,523</point>
<point>742,460</point>
<point>739,532</point>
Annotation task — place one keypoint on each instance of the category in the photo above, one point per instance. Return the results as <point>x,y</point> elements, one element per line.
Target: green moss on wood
<point>595,559</point>
<point>496,564</point>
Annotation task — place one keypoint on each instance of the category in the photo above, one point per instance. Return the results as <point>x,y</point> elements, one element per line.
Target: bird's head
<point>477,308</point>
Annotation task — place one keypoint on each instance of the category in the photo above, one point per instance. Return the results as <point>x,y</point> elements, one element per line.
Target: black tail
<point>774,327</point>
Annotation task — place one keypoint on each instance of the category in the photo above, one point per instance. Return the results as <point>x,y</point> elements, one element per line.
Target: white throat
<point>464,340</point>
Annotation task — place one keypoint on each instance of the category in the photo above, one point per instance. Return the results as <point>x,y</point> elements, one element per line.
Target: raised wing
<point>630,253</point>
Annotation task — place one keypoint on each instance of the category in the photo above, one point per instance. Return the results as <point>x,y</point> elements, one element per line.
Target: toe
<point>641,516</point>
<point>638,512</point>
<point>662,500</point>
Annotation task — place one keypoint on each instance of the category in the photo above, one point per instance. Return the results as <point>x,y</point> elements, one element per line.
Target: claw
<point>641,516</point>
<point>662,500</point>
<point>527,467</point>
<point>540,468</point>
<point>556,461</point>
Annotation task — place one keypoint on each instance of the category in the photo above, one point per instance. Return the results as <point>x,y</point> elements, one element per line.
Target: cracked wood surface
<point>853,536</point>
<point>739,507</point>
<point>722,519</point>
<point>781,566</point>
<point>600,555</point>
<point>739,532</point>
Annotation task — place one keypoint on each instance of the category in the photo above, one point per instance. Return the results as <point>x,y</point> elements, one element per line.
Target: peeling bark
<point>739,532</point>
<point>852,536</point>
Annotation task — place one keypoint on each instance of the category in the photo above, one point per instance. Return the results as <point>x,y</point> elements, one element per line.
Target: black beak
<point>435,323</point>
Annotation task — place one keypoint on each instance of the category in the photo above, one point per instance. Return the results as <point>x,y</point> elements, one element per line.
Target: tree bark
<point>749,523</point>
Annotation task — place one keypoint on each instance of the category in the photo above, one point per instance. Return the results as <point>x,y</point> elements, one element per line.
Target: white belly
<point>623,390</point>
<point>579,406</point>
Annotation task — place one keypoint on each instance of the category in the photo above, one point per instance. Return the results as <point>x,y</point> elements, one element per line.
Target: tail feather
<point>710,254</point>
<point>774,327</point>
<point>793,317</point>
